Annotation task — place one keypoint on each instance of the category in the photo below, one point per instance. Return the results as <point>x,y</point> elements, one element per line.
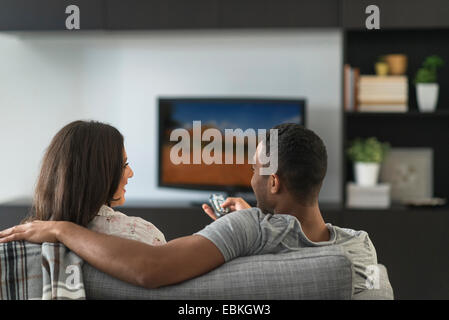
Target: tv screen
<point>179,119</point>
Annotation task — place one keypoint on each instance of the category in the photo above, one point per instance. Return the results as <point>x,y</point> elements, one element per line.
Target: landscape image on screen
<point>220,115</point>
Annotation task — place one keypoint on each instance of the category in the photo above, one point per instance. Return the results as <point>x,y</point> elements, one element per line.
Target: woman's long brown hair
<point>81,171</point>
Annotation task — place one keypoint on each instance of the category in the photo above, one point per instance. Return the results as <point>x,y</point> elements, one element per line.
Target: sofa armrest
<point>382,289</point>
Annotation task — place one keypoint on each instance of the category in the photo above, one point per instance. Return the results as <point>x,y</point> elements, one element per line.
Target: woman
<point>84,174</point>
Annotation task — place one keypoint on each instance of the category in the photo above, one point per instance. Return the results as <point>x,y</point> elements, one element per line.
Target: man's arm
<point>128,260</point>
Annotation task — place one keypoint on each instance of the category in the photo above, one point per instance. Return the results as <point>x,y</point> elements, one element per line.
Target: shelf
<point>436,114</point>
<point>397,208</point>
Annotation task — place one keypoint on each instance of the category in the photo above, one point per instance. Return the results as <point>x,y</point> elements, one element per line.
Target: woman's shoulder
<point>112,217</point>
<point>118,224</point>
<point>106,211</point>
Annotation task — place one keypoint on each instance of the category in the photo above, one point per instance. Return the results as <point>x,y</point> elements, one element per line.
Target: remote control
<point>216,200</point>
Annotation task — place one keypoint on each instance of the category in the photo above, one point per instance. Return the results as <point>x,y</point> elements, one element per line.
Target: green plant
<point>428,72</point>
<point>368,150</point>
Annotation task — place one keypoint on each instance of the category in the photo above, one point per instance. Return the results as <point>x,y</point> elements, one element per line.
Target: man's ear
<point>274,184</point>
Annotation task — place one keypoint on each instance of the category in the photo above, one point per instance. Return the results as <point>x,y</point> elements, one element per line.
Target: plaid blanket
<point>34,271</point>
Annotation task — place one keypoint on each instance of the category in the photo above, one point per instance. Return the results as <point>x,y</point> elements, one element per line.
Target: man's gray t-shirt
<point>251,232</point>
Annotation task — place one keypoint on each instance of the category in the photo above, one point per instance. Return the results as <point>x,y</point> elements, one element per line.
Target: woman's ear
<point>275,184</point>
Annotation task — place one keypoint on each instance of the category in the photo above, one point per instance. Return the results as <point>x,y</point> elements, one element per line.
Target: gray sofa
<point>311,273</point>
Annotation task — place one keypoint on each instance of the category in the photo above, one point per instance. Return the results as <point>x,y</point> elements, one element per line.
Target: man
<point>287,218</point>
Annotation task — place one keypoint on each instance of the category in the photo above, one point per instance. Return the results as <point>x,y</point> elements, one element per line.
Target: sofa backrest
<point>311,273</point>
<point>34,271</point>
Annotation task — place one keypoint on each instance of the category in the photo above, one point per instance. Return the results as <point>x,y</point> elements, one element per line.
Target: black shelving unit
<point>397,14</point>
<point>410,129</point>
<point>411,242</point>
<point>49,15</point>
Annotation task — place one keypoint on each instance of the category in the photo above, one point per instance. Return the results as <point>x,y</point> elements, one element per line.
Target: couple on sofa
<point>83,177</point>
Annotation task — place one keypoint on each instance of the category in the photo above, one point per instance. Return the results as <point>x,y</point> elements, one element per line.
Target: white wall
<point>49,79</point>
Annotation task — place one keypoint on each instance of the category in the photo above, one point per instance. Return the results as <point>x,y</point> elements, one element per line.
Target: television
<point>186,114</point>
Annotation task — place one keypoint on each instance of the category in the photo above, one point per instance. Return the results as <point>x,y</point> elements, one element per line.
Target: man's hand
<point>234,204</point>
<point>36,231</point>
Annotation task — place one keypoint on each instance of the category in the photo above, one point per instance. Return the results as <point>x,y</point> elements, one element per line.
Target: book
<point>356,89</point>
<point>383,89</point>
<point>383,108</point>
<point>350,91</point>
<point>378,99</point>
<point>388,90</point>
<point>346,84</point>
<point>383,102</point>
<point>382,93</point>
<point>382,79</point>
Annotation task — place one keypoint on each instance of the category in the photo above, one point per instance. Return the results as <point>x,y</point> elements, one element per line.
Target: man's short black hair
<point>302,161</point>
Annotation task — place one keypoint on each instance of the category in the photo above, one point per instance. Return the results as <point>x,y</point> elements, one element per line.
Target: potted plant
<point>367,155</point>
<point>397,63</point>
<point>427,87</point>
<point>381,66</point>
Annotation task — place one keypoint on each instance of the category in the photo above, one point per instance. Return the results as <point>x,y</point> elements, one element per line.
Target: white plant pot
<point>366,173</point>
<point>427,96</point>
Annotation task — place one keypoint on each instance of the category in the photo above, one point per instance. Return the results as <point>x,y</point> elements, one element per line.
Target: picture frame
<point>410,173</point>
